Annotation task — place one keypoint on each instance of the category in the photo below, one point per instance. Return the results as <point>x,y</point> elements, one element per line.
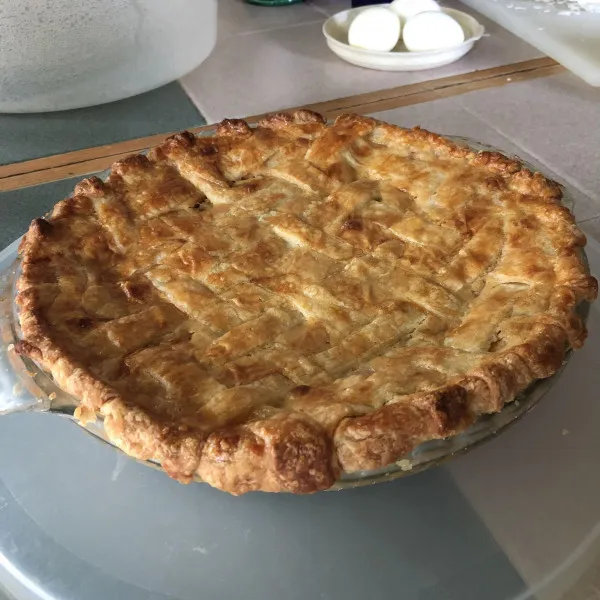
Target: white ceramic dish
<point>335,30</point>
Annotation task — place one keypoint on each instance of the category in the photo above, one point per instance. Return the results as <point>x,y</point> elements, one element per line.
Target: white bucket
<point>61,54</point>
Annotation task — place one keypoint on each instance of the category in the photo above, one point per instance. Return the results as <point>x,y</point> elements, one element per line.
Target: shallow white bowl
<point>335,30</point>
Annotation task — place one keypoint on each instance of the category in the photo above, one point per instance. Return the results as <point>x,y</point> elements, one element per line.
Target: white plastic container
<point>61,54</point>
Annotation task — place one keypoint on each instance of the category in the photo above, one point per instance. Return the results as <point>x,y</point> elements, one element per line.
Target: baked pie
<point>269,307</point>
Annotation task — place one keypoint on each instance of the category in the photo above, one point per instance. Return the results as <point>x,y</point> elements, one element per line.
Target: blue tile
<point>29,136</point>
<point>19,207</point>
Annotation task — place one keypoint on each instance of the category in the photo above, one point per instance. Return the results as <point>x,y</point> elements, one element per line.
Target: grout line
<point>319,9</point>
<point>278,28</point>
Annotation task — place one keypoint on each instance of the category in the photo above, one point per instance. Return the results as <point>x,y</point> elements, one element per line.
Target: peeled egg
<point>432,31</point>
<point>376,28</point>
<point>406,9</point>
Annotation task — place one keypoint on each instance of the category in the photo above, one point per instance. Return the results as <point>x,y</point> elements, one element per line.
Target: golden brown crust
<point>266,308</point>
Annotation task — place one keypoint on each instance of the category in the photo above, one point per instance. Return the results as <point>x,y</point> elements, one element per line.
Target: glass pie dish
<point>24,386</point>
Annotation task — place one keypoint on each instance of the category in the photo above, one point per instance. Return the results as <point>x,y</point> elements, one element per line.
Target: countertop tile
<point>447,116</point>
<point>28,136</point>
<point>555,119</point>
<point>281,68</point>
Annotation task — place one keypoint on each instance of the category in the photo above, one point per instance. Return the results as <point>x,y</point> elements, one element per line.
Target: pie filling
<point>266,308</point>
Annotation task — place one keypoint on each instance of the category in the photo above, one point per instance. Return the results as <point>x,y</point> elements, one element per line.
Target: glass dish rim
<point>47,396</point>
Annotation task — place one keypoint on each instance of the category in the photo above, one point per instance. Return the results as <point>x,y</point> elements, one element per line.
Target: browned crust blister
<point>320,430</point>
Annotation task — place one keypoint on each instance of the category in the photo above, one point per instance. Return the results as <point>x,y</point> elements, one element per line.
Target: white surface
<point>536,487</point>
<point>64,54</point>
<point>571,37</point>
<point>336,28</point>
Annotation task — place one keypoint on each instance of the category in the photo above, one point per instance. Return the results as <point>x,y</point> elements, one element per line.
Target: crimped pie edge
<point>290,451</point>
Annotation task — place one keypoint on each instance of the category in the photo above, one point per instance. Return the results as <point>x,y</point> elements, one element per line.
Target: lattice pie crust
<point>269,307</point>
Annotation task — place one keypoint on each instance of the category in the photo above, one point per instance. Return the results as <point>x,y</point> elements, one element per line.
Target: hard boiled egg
<point>432,31</point>
<point>406,9</point>
<point>376,28</point>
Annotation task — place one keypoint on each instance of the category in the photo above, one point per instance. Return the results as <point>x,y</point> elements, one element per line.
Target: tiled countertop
<point>523,503</point>
<point>272,58</point>
<point>558,137</point>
